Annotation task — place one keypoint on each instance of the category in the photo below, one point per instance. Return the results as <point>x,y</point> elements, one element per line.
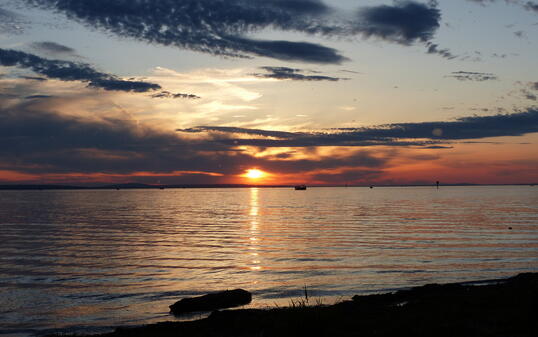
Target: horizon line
<point>176,186</point>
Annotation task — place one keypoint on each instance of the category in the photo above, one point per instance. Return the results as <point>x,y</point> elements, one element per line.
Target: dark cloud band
<point>400,134</point>
<point>228,129</point>
<point>221,27</point>
<point>71,71</point>
<point>36,141</point>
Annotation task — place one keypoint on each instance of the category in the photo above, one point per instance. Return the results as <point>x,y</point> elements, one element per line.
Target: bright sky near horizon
<point>306,91</point>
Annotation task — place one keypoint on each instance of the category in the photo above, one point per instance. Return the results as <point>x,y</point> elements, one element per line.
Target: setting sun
<point>254,174</point>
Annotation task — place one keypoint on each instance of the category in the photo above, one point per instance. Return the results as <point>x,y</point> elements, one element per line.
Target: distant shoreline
<point>196,186</point>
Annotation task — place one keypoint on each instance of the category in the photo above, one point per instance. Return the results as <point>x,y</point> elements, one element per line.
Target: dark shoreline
<point>504,307</point>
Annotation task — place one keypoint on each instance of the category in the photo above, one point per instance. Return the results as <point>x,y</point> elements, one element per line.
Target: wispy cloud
<point>528,5</point>
<point>472,76</point>
<point>433,48</point>
<point>530,91</point>
<point>520,34</point>
<point>531,6</point>
<point>52,48</point>
<point>37,96</point>
<point>167,94</point>
<point>285,73</point>
<point>10,22</point>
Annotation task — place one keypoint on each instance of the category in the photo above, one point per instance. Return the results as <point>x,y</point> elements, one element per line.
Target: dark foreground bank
<point>497,308</point>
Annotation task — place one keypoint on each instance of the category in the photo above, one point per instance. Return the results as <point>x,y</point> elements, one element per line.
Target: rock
<point>210,302</point>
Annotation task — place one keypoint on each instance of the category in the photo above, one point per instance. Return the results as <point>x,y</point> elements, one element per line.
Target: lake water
<point>89,260</point>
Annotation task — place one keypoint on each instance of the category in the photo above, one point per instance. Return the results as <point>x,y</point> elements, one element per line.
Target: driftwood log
<point>210,302</point>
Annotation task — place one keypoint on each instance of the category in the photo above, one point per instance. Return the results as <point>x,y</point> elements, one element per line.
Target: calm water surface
<point>89,260</point>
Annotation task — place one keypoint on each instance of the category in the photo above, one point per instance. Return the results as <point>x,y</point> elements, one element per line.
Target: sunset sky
<point>303,91</point>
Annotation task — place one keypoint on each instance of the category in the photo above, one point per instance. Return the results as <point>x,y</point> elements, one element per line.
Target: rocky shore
<point>507,307</point>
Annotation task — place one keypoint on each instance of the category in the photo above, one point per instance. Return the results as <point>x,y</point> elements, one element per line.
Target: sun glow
<point>254,174</point>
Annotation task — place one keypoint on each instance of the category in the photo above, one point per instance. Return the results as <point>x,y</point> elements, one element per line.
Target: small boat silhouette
<point>300,187</point>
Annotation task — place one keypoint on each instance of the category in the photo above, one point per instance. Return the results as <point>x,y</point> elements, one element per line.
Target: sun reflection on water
<point>254,229</point>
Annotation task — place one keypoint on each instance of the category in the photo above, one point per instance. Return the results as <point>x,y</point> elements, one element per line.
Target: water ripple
<point>83,260</point>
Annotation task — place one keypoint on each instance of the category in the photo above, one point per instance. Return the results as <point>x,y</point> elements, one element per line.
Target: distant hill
<point>127,186</point>
<point>40,187</point>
